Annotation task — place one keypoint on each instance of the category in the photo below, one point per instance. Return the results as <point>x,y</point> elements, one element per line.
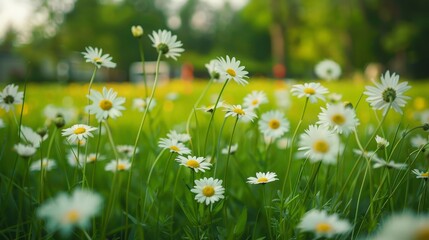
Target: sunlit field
<point>230,157</point>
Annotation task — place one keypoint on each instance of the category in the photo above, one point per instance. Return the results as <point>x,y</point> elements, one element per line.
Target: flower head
<point>322,224</point>
<point>195,163</point>
<point>245,114</point>
<point>213,69</point>
<point>166,44</point>
<point>211,108</point>
<point>402,226</point>
<point>381,142</point>
<point>339,118</point>
<point>78,132</point>
<point>273,124</point>
<point>312,91</point>
<point>208,190</point>
<point>64,212</point>
<point>105,104</point>
<point>10,97</point>
<point>94,56</point>
<point>127,150</point>
<point>379,162</point>
<point>255,99</point>
<point>31,137</point>
<point>420,142</point>
<point>229,68</point>
<point>420,174</point>
<point>46,164</point>
<point>119,165</point>
<point>137,31</point>
<point>229,150</point>
<point>319,144</point>
<point>388,93</point>
<point>24,150</point>
<point>174,146</point>
<point>262,178</point>
<point>328,70</point>
<point>141,104</point>
<point>180,137</point>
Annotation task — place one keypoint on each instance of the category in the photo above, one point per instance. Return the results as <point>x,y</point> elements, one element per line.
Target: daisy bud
<point>426,126</point>
<point>42,131</point>
<point>137,31</point>
<point>348,105</point>
<point>59,122</point>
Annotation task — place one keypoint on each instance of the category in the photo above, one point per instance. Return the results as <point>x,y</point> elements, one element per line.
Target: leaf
<point>241,223</point>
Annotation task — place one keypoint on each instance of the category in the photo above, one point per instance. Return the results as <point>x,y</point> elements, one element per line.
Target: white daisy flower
<point>245,114</point>
<point>94,56</point>
<point>339,118</point>
<point>403,226</point>
<point>65,211</point>
<point>210,108</point>
<point>141,104</point>
<point>180,137</point>
<point>389,92</point>
<point>24,150</point>
<point>208,190</point>
<point>312,91</point>
<point>262,178</point>
<point>424,117</point>
<point>195,163</point>
<point>319,144</point>
<point>119,165</point>
<point>233,149</point>
<point>10,97</point>
<point>379,162</point>
<point>420,174</point>
<point>283,143</point>
<point>137,31</point>
<point>420,142</point>
<point>273,124</point>
<point>51,112</point>
<point>229,68</point>
<point>74,161</point>
<point>78,132</point>
<point>335,98</point>
<point>46,164</point>
<point>127,150</point>
<point>254,99</point>
<point>322,224</point>
<point>31,137</point>
<point>328,70</point>
<point>166,43</point>
<point>381,142</point>
<point>105,104</point>
<point>213,69</point>
<point>174,146</point>
<point>283,100</point>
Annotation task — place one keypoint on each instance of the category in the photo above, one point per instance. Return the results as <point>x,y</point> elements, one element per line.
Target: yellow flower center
<point>338,119</point>
<point>323,227</point>
<point>105,104</point>
<point>121,167</point>
<point>426,174</point>
<point>239,111</point>
<point>309,90</point>
<point>321,146</point>
<point>192,163</point>
<point>422,233</point>
<point>44,163</point>
<point>174,148</point>
<point>274,123</point>
<point>97,60</point>
<point>208,191</point>
<point>255,102</point>
<point>231,72</point>
<point>92,159</point>
<point>79,130</point>
<point>72,216</point>
<point>262,180</point>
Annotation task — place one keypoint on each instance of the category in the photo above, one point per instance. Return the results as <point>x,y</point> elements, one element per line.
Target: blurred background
<point>272,38</point>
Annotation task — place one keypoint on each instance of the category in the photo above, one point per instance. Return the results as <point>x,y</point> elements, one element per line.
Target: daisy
<point>282,98</point>
<point>381,142</point>
<point>194,163</point>
<point>283,143</point>
<point>379,162</point>
<point>127,150</point>
<point>388,93</point>
<point>254,99</point>
<point>10,96</point>
<point>322,224</point>
<point>105,105</point>
<point>94,56</point>
<point>31,137</point>
<point>120,165</point>
<point>65,211</point>
<point>46,164</point>
<point>245,114</point>
<point>232,151</point>
<point>73,160</point>
<point>78,132</point>
<point>424,117</point>
<point>174,146</point>
<point>24,150</point>
<point>137,31</point>
<point>420,142</point>
<point>166,44</point>
<point>208,190</point>
<point>141,104</point>
<point>312,91</point>
<point>229,68</point>
<point>419,174</point>
<point>213,69</point>
<point>335,98</point>
<point>273,124</point>
<point>210,108</point>
<point>93,157</point>
<point>328,70</point>
<point>262,178</point>
<point>180,137</point>
<point>52,112</point>
<point>319,144</point>
<point>339,118</point>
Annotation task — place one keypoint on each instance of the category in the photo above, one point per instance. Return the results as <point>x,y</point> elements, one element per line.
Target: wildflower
<point>105,105</point>
<point>210,108</point>
<point>319,144</point>
<point>94,56</point>
<point>46,164</point>
<point>141,104</point>
<point>391,164</point>
<point>64,212</point>
<point>10,97</point>
<point>328,70</point>
<point>245,114</point>
<point>254,99</point>
<point>381,142</point>
<point>273,124</point>
<point>282,98</point>
<point>74,161</point>
<point>424,117</point>
<point>420,142</point>
<point>335,98</point>
<point>231,151</point>
<point>52,112</point>
<point>312,91</point>
<point>118,165</point>
<point>366,154</point>
<point>174,146</point>
<point>208,190</point>
<point>388,93</point>
<point>31,137</point>
<point>213,69</point>
<point>180,137</point>
<point>404,225</point>
<point>283,143</point>
<point>262,178</point>
<point>322,224</point>
<point>166,44</point>
<point>93,157</point>
<point>137,31</point>
<point>229,68</point>
<point>78,132</point>
<point>339,118</point>
<point>127,150</point>
<point>420,174</point>
<point>24,150</point>
<point>195,163</point>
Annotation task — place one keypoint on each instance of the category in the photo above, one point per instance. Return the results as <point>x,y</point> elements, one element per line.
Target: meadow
<point>312,180</point>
